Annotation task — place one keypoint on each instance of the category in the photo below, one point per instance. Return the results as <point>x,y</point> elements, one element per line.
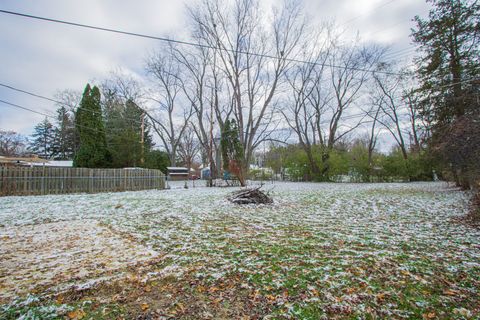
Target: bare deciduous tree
<point>304,109</point>
<point>350,68</point>
<point>11,143</point>
<point>69,99</point>
<point>253,52</point>
<point>323,90</point>
<point>373,135</point>
<point>172,116</point>
<point>417,134</point>
<point>189,147</point>
<point>124,86</point>
<point>388,97</point>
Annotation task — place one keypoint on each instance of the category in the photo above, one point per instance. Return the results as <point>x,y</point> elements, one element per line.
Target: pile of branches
<point>250,196</point>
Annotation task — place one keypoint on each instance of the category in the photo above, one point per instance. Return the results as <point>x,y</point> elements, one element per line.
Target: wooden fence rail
<point>48,180</point>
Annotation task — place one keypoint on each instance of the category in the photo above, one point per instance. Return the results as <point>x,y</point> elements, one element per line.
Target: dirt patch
<point>62,254</point>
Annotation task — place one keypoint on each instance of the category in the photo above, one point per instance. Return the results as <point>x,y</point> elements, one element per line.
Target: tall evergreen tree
<point>43,140</point>
<point>92,152</point>
<point>124,132</point>
<point>449,40</point>
<point>232,150</point>
<point>64,146</point>
<point>448,72</point>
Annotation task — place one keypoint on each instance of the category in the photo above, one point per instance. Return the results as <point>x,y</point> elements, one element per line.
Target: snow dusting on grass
<point>52,256</point>
<point>320,251</point>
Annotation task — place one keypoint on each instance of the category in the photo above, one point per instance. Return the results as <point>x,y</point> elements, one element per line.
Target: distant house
<point>22,161</point>
<point>177,173</point>
<point>54,163</point>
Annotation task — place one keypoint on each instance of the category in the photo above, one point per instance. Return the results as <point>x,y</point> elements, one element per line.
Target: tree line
<point>284,83</point>
<point>97,130</point>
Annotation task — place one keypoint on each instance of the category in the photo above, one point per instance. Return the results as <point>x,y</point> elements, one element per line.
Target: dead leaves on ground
<point>76,314</point>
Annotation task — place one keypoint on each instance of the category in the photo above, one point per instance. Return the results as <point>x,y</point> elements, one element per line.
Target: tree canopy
<point>448,70</point>
<point>92,152</point>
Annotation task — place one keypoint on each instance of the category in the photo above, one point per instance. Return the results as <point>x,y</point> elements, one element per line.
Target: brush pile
<point>250,196</point>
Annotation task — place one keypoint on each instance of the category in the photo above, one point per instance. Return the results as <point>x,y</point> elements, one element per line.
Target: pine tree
<point>123,130</point>
<point>232,150</point>
<point>43,140</point>
<point>449,40</point>
<point>92,152</point>
<point>64,146</point>
<point>448,72</point>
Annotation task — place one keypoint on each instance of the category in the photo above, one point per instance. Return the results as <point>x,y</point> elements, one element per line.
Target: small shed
<point>177,173</point>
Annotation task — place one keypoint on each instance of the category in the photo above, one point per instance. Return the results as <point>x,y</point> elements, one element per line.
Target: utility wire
<point>370,11</point>
<point>384,29</point>
<point>56,101</point>
<point>347,117</point>
<point>27,109</point>
<point>193,44</point>
<point>32,94</point>
<point>399,53</point>
<point>53,117</point>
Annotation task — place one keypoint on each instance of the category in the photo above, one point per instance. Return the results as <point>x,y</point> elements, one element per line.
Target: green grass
<point>321,251</point>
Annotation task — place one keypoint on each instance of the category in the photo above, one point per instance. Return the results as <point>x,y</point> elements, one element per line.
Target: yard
<point>332,251</point>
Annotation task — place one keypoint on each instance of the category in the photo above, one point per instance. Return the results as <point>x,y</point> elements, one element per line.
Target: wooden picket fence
<point>49,180</point>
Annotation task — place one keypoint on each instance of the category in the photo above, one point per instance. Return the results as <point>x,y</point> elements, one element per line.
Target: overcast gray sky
<point>45,57</point>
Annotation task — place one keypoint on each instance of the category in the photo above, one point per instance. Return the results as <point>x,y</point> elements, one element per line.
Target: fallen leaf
<point>270,297</point>
<point>76,314</point>
<point>145,306</point>
<point>381,296</point>
<point>180,307</point>
<point>430,315</point>
<point>213,289</point>
<point>450,292</point>
<point>350,290</point>
<point>59,299</point>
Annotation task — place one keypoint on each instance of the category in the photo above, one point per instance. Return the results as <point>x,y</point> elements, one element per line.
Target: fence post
<point>90,182</point>
<point>43,180</point>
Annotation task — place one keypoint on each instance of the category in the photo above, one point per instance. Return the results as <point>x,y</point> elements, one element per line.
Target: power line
<point>53,117</point>
<point>188,43</point>
<point>382,30</point>
<point>25,108</point>
<point>56,101</point>
<point>400,52</point>
<point>370,11</point>
<point>347,117</point>
<point>32,94</point>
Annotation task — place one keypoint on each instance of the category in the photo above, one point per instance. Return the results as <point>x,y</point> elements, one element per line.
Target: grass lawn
<point>321,251</point>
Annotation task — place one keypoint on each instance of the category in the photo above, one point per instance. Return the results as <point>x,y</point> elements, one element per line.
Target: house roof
<point>22,159</point>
